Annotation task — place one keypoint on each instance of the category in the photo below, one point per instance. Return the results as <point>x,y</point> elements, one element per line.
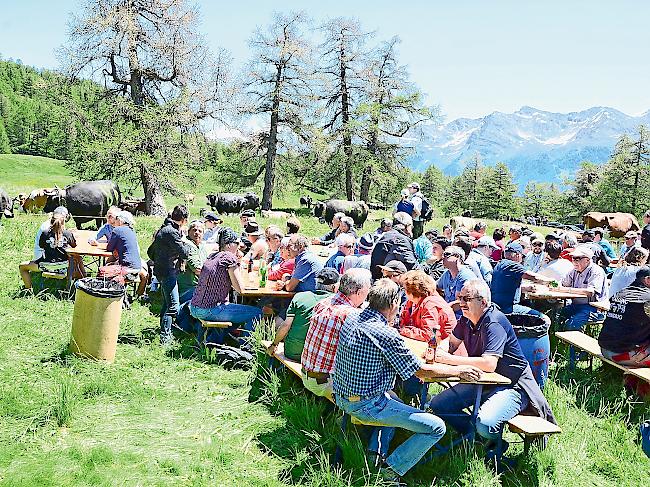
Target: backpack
<point>427,212</point>
<point>405,206</point>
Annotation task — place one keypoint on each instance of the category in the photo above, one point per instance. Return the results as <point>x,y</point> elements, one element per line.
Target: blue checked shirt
<point>369,355</point>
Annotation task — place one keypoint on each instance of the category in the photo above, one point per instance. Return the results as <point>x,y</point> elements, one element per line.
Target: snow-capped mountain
<point>535,144</point>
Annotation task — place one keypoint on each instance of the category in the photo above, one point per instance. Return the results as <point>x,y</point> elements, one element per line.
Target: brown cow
<point>617,223</point>
<point>462,221</point>
<point>36,200</point>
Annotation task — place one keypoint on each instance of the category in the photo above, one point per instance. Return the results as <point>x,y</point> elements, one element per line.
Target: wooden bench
<point>213,324</point>
<point>528,427</point>
<point>590,345</point>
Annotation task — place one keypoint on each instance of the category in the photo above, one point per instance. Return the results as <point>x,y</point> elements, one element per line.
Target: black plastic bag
<point>100,288</point>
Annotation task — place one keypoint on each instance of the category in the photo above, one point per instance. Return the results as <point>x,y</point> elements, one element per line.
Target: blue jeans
<point>236,313</point>
<point>498,405</point>
<point>169,310</point>
<point>389,412</point>
<point>579,314</point>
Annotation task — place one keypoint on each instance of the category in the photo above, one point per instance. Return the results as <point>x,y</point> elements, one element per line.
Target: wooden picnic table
<point>487,378</point>
<point>544,292</point>
<point>253,290</point>
<point>76,266</point>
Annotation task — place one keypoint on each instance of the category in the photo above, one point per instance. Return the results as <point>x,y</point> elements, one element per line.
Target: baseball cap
<point>582,251</point>
<point>252,228</point>
<point>514,247</point>
<point>487,241</point>
<point>393,266</point>
<point>366,241</point>
<point>213,217</point>
<point>248,213</point>
<point>631,234</point>
<point>227,236</point>
<point>414,185</point>
<point>328,276</point>
<point>126,218</point>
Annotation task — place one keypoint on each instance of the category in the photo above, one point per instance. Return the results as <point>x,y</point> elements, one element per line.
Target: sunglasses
<point>576,259</point>
<point>466,299</point>
<point>449,254</point>
<point>538,245</point>
<point>347,246</point>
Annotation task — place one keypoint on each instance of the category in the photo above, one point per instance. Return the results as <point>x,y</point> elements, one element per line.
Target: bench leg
<point>572,358</point>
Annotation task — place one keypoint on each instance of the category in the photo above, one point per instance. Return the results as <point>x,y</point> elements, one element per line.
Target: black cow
<point>377,206</point>
<point>305,201</point>
<point>6,205</point>
<point>357,210</point>
<point>224,203</point>
<point>86,200</point>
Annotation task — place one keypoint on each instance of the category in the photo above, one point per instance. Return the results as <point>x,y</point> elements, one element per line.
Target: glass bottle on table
<point>263,272</point>
<point>430,355</point>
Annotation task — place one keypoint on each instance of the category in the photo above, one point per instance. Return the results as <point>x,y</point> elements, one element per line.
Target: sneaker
<point>391,477</point>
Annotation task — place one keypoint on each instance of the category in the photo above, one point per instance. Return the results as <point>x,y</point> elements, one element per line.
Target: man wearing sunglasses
<point>492,346</point>
<point>345,244</point>
<point>535,259</point>
<point>586,278</point>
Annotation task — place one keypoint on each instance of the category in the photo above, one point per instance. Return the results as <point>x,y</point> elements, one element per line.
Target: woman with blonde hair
<point>53,242</point>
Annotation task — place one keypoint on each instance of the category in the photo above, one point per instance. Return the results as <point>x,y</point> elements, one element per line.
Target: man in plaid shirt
<point>323,335</point>
<point>369,356</point>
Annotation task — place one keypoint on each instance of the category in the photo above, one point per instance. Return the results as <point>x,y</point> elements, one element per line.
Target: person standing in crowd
<point>417,199</point>
<point>404,205</point>
<point>370,354</point>
<point>492,346</point>
<point>395,245</point>
<point>211,301</point>
<point>293,330</point>
<point>53,242</point>
<point>323,335</point>
<point>167,249</point>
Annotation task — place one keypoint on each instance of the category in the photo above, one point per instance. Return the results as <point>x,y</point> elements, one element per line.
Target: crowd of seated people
<point>345,323</point>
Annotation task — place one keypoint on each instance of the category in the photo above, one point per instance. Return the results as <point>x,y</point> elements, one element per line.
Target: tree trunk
<point>366,178</point>
<point>345,117</point>
<point>153,197</point>
<point>272,147</point>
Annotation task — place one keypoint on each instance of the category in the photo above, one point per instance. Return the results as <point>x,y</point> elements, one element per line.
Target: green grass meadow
<point>171,417</point>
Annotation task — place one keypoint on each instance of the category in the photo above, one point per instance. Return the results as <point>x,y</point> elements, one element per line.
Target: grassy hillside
<point>19,173</point>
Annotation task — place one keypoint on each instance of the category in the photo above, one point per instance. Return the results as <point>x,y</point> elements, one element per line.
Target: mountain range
<point>536,145</point>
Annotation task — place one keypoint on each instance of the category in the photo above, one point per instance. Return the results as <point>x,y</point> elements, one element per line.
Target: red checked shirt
<point>323,336</point>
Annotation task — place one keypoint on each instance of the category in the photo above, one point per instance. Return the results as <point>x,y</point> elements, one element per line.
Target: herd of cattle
<point>90,200</point>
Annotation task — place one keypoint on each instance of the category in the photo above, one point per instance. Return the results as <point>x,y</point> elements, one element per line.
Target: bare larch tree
<point>278,86</point>
<point>149,53</point>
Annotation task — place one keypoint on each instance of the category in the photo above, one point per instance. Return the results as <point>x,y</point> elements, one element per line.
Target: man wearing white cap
<point>586,278</point>
<point>481,253</point>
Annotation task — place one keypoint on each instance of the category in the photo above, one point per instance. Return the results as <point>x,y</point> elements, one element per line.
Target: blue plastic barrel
<point>537,352</point>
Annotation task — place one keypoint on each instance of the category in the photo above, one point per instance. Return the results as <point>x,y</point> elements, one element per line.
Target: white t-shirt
<point>416,199</point>
<point>556,269</point>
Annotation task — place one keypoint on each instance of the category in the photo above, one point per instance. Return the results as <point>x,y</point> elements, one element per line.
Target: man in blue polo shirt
<point>369,356</point>
<point>306,268</point>
<point>492,346</point>
<point>506,282</point>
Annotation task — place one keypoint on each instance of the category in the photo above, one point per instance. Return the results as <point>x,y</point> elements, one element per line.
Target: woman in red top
<point>286,266</point>
<point>425,312</point>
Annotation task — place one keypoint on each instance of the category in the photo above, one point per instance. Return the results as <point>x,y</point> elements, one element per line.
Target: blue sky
<point>472,57</point>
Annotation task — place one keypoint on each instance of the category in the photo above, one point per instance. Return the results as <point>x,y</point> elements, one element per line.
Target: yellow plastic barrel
<point>96,318</point>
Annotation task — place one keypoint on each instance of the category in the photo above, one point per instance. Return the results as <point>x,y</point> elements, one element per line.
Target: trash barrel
<point>96,318</point>
<point>532,334</point>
